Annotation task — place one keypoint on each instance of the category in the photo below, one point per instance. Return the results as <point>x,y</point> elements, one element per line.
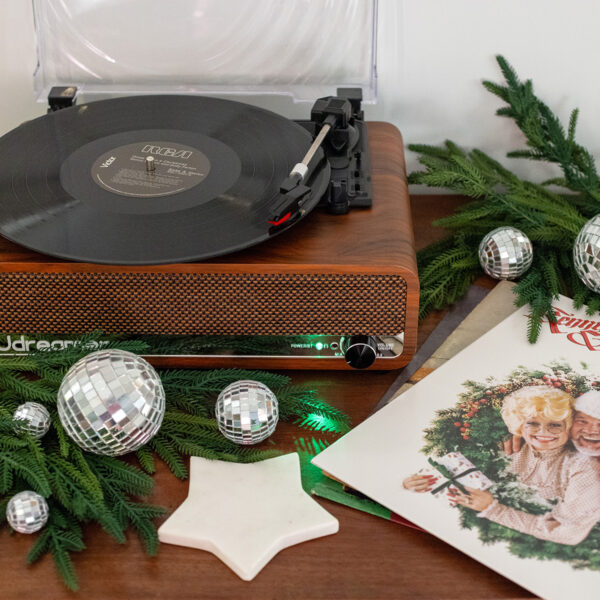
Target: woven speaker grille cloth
<point>202,303</point>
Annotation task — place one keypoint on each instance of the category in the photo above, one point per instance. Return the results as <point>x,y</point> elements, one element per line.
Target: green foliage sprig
<point>551,220</point>
<point>81,487</point>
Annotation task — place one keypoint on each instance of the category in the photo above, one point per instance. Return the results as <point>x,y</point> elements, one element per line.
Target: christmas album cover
<point>497,452</point>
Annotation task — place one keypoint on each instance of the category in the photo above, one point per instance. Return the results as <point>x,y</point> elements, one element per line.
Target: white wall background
<point>433,55</point>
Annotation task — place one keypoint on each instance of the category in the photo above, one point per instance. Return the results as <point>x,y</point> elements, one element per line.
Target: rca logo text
<point>164,151</point>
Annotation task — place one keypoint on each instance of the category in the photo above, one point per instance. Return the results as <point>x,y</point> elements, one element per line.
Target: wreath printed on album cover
<point>474,427</point>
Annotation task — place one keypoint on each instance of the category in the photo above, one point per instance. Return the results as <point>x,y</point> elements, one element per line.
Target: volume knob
<point>361,351</point>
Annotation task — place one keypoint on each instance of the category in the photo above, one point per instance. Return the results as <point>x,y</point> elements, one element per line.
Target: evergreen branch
<point>74,478</point>
<point>17,363</point>
<point>64,443</point>
<point>135,514</point>
<point>166,450</point>
<point>545,135</point>
<point>26,388</point>
<point>22,464</point>
<point>552,221</point>
<point>3,504</point>
<point>40,547</point>
<point>63,537</point>
<point>64,358</point>
<point>120,475</point>
<point>318,422</point>
<point>146,460</point>
<point>83,487</point>
<point>209,382</point>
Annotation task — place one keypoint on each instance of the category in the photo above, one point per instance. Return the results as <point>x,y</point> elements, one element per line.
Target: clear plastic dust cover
<point>302,48</point>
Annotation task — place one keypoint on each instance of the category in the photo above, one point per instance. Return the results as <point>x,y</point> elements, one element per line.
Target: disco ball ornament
<point>111,402</point>
<point>247,412</point>
<point>27,512</point>
<point>505,253</point>
<point>586,254</point>
<point>34,419</point>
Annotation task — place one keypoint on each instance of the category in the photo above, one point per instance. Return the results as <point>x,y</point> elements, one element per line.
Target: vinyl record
<point>148,179</point>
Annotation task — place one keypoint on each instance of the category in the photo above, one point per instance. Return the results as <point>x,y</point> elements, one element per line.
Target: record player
<point>220,233</point>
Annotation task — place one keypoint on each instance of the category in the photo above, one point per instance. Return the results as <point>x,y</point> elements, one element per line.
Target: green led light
<point>319,346</point>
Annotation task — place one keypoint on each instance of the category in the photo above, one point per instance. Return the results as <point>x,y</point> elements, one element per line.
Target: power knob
<point>360,351</point>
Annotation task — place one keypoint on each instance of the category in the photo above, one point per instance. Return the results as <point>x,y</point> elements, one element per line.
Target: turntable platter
<point>149,179</point>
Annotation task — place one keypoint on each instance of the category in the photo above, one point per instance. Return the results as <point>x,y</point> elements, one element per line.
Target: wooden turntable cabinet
<point>350,280</point>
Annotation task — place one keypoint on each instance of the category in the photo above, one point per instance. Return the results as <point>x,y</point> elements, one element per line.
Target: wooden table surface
<point>368,558</point>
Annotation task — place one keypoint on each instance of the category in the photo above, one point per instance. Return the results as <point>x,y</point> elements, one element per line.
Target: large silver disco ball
<point>247,412</point>
<point>505,253</point>
<point>27,512</point>
<point>586,254</point>
<point>111,402</point>
<point>33,418</point>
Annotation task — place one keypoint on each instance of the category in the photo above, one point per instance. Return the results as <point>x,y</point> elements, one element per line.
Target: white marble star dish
<point>246,513</point>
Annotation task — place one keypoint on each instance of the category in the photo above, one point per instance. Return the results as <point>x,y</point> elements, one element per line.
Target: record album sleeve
<point>497,452</point>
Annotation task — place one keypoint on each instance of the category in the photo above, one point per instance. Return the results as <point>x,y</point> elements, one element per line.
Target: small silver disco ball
<point>586,254</point>
<point>505,253</point>
<point>247,412</point>
<point>34,419</point>
<point>27,512</point>
<point>111,402</point>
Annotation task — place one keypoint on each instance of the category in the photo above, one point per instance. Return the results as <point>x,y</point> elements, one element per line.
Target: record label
<point>150,169</point>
